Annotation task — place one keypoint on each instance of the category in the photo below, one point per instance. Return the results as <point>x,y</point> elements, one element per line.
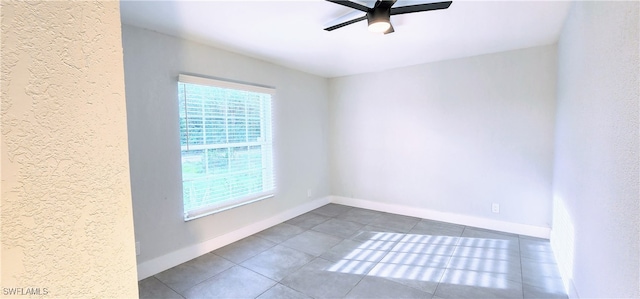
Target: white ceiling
<point>290,33</point>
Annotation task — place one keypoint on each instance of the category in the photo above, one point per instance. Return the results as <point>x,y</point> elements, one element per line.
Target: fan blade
<point>334,27</point>
<point>384,5</point>
<point>390,30</point>
<point>401,3</point>
<point>344,18</point>
<point>420,7</point>
<point>350,4</point>
<point>367,3</point>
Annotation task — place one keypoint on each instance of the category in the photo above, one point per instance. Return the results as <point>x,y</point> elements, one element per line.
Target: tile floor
<point>343,252</point>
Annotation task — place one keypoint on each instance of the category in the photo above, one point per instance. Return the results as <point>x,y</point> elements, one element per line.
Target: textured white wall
<point>452,136</point>
<point>596,172</point>
<point>67,228</point>
<point>152,64</point>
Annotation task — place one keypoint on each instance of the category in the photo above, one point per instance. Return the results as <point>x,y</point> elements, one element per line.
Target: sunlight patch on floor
<point>467,261</point>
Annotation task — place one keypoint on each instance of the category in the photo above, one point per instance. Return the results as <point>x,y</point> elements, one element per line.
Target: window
<point>225,136</point>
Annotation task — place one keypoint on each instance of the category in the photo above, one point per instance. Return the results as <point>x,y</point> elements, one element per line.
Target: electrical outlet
<point>495,208</point>
<point>309,193</point>
<point>137,248</point>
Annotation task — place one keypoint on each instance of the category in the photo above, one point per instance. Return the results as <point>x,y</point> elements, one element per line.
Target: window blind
<point>226,144</point>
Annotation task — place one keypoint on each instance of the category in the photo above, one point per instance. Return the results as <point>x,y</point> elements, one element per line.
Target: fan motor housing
<point>378,15</point>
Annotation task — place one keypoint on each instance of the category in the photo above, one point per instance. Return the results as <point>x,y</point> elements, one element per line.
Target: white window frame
<point>266,144</point>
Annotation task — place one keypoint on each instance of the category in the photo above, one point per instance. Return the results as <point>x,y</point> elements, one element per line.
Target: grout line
<point>162,282</point>
<point>521,275</point>
<point>248,258</point>
<point>269,278</point>
<point>386,252</point>
<point>205,279</point>
<point>446,267</point>
<point>355,285</point>
<point>199,283</point>
<point>349,238</point>
<point>412,227</point>
<point>267,290</point>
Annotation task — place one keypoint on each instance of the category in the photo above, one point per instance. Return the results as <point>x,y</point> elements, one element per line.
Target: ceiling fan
<point>379,16</point>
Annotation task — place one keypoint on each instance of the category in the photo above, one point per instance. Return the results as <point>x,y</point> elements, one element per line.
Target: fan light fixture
<point>379,21</point>
<point>379,27</point>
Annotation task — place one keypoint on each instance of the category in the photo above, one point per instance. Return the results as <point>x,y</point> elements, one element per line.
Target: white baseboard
<point>172,259</point>
<point>508,227</point>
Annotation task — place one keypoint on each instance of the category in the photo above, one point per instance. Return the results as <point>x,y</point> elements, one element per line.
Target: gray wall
<point>596,222</point>
<point>452,136</point>
<point>152,63</point>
